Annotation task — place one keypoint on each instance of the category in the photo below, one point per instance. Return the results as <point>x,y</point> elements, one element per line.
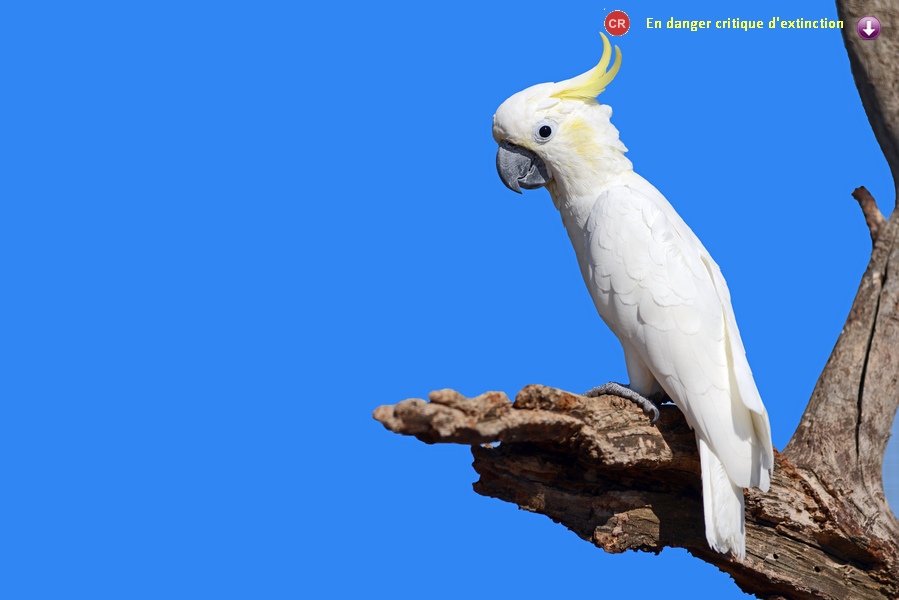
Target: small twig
<point>873,216</point>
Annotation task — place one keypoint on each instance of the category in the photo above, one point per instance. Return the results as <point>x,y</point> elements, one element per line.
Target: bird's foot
<point>616,389</point>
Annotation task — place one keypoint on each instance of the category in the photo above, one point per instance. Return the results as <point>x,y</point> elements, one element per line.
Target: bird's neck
<point>586,172</point>
<point>574,193</point>
<point>574,197</point>
<point>574,210</point>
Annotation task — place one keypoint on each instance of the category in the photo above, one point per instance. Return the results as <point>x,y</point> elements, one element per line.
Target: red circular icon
<point>617,22</point>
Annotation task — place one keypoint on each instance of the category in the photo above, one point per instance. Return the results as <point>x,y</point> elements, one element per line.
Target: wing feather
<point>659,290</point>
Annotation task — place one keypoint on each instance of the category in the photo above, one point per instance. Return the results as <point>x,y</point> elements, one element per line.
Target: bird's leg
<point>660,397</point>
<point>616,389</point>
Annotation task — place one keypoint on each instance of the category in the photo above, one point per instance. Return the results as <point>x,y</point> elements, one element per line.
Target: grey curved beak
<point>520,168</point>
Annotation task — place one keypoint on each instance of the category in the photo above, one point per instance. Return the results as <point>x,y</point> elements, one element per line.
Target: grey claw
<point>616,389</point>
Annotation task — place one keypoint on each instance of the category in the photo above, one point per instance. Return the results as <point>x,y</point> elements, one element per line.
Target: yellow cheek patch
<point>580,136</point>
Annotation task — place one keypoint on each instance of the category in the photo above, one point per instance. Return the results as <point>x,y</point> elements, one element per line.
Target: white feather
<point>685,334</point>
<point>722,505</point>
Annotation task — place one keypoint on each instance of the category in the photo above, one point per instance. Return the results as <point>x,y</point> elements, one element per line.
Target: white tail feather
<point>722,503</point>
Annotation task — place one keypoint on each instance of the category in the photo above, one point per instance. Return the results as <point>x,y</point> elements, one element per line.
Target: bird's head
<point>557,135</point>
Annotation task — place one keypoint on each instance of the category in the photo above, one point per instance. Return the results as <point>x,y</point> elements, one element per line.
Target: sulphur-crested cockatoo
<point>652,281</point>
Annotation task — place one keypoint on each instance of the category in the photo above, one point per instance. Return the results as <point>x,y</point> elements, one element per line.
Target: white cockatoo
<point>652,281</point>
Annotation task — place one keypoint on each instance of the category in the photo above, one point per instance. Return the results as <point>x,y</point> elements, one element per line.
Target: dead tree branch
<point>873,216</point>
<point>597,466</point>
<point>873,65</point>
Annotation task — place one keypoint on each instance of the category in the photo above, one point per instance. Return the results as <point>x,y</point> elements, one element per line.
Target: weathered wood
<point>873,64</point>
<point>873,217</point>
<point>598,467</point>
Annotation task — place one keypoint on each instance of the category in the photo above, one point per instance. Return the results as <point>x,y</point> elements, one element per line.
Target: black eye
<point>544,131</point>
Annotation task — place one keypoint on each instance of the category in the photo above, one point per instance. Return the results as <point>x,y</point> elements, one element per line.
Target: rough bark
<point>843,433</point>
<point>873,217</point>
<point>873,64</point>
<point>597,466</point>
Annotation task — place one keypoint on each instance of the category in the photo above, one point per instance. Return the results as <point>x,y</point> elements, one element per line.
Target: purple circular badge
<point>868,28</point>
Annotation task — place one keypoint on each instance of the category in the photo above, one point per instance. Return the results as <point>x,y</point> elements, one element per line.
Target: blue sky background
<point>230,231</point>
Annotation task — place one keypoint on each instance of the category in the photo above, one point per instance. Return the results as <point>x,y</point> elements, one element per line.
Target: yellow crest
<point>592,83</point>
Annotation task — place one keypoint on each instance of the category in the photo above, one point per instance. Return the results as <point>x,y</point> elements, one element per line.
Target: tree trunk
<point>824,529</point>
